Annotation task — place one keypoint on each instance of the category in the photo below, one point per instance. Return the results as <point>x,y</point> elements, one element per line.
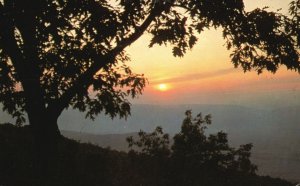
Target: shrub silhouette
<point>194,158</point>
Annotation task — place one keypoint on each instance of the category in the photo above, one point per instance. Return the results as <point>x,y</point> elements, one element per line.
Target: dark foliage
<point>194,158</point>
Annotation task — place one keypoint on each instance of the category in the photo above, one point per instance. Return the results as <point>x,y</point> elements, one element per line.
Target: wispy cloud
<point>194,76</point>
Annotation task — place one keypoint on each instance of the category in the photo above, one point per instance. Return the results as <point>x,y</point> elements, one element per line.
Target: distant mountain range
<point>275,133</point>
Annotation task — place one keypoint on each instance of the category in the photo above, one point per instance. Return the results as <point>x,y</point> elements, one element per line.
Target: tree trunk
<point>45,131</point>
<point>46,136</point>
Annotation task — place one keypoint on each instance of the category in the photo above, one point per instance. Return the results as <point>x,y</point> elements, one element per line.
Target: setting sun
<point>162,87</point>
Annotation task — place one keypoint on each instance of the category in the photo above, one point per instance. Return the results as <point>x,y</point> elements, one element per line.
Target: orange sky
<point>206,75</point>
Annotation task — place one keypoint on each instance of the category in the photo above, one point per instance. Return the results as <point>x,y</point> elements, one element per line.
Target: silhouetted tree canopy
<point>57,54</point>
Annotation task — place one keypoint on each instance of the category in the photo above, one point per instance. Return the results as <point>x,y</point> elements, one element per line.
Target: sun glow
<point>162,87</point>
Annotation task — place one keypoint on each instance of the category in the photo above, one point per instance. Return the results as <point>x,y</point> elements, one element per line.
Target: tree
<point>195,157</point>
<point>199,157</point>
<point>149,157</point>
<point>57,54</point>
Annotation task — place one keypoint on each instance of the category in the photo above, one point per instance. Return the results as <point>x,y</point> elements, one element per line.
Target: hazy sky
<point>206,75</point>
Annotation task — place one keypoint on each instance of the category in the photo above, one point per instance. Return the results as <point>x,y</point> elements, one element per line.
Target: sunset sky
<point>206,75</point>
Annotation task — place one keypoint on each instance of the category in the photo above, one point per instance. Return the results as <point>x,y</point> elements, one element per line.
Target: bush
<point>194,158</point>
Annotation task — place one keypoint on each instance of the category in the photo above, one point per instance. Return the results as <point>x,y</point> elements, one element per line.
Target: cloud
<point>192,77</point>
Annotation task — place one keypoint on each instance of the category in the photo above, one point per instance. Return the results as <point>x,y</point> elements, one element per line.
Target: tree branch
<point>25,68</point>
<point>8,42</point>
<point>101,61</point>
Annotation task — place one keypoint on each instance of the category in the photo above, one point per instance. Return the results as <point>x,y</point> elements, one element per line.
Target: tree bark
<point>46,138</point>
